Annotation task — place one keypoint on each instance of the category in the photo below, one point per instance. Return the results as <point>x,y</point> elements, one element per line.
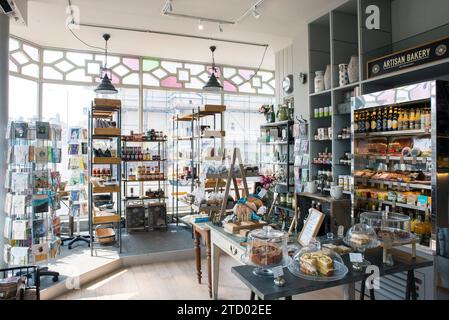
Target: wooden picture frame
<point>311,227</point>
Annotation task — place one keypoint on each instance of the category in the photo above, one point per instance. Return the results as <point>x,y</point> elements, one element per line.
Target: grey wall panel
<point>421,15</point>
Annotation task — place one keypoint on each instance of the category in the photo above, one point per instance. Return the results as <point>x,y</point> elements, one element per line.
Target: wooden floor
<point>173,281</point>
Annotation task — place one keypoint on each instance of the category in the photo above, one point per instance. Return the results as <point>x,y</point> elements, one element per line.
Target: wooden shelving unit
<point>108,110</point>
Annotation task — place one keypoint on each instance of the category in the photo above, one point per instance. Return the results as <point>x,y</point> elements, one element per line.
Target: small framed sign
<point>311,227</point>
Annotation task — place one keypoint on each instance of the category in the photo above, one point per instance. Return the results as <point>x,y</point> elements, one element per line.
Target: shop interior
<point>252,149</point>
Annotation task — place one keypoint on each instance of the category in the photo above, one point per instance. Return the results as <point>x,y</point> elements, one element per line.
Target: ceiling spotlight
<point>256,14</point>
<point>220,28</point>
<point>200,25</point>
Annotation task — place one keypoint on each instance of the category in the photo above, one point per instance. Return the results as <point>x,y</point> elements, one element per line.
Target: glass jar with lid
<point>266,249</point>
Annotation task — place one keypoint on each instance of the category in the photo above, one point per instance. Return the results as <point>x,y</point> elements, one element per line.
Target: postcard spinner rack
<point>24,138</point>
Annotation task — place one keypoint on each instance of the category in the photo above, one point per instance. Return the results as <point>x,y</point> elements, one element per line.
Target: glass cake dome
<point>388,225</point>
<point>266,248</point>
<point>313,263</point>
<point>361,237</point>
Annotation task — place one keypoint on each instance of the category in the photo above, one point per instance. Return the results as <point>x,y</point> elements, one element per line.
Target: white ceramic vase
<point>319,81</point>
<point>327,78</point>
<point>353,69</point>
<point>343,74</point>
<point>336,192</point>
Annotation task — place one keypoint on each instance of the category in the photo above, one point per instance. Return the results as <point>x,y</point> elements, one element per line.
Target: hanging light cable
<point>105,86</point>
<point>213,84</point>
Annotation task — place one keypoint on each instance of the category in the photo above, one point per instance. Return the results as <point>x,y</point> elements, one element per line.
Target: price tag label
<point>262,193</point>
<point>355,257</point>
<point>414,160</point>
<point>278,272</point>
<point>340,231</point>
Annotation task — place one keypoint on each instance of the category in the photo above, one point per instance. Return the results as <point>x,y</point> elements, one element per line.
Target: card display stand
<point>104,192</point>
<point>78,205</point>
<point>32,228</point>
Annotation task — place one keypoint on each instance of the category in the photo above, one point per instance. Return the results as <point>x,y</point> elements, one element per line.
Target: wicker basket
<point>105,235</point>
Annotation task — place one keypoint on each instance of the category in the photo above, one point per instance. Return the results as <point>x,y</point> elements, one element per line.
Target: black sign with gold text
<point>409,58</point>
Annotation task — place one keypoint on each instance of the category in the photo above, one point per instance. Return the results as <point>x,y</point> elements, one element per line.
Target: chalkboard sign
<point>311,227</point>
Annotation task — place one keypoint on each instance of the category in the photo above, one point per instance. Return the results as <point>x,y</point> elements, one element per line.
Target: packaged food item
<point>392,196</point>
<point>401,197</point>
<point>422,201</point>
<point>397,144</point>
<point>412,198</point>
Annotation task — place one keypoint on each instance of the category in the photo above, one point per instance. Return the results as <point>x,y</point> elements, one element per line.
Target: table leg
<point>410,291</point>
<point>362,289</point>
<point>215,269</point>
<point>209,268</point>
<point>371,294</point>
<point>349,291</point>
<point>196,241</point>
<point>252,296</point>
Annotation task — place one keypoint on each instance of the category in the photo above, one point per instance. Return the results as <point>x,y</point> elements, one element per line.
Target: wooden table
<point>202,231</point>
<point>223,242</point>
<point>265,289</point>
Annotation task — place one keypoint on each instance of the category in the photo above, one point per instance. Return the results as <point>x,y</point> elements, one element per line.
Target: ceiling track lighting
<point>256,14</point>
<point>200,25</point>
<point>213,84</point>
<point>105,86</point>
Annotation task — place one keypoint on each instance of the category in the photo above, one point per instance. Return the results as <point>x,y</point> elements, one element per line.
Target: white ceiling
<point>278,24</point>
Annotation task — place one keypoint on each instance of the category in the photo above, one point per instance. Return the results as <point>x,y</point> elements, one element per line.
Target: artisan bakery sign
<point>408,58</point>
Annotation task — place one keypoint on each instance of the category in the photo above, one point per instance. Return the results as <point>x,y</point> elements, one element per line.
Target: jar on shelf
<point>319,81</point>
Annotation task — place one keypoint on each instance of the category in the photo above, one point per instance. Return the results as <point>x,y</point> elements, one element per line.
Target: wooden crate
<point>112,104</point>
<point>213,108</point>
<point>107,132</point>
<point>110,160</point>
<point>236,227</point>
<point>105,218</point>
<point>106,189</point>
<point>213,134</point>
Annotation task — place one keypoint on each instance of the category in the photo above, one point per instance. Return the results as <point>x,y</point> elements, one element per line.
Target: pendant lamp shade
<point>213,84</point>
<point>105,86</point>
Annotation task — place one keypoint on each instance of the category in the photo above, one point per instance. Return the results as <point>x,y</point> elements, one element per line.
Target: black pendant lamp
<point>105,86</point>
<point>213,84</point>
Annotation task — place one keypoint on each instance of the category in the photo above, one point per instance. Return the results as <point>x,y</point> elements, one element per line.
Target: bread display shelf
<point>161,160</point>
<point>144,180</point>
<point>106,189</point>
<point>395,158</point>
<point>236,227</point>
<point>391,183</point>
<point>107,132</point>
<point>106,160</point>
<point>395,204</point>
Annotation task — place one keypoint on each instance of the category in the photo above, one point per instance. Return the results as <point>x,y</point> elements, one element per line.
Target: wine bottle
<point>373,121</point>
<point>394,122</point>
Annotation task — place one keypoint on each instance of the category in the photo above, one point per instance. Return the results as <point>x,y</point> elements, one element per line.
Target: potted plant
<point>268,112</point>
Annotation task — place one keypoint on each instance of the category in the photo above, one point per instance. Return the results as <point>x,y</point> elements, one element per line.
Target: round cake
<point>265,254</point>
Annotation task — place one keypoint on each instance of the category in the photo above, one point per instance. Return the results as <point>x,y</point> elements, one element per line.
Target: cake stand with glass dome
<point>361,237</point>
<point>392,229</point>
<point>266,249</point>
<point>313,263</point>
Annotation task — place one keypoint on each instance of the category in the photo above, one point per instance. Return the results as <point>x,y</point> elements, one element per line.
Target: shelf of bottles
<point>144,167</point>
<point>394,166</point>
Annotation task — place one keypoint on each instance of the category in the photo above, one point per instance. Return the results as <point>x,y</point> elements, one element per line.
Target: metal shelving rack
<point>288,146</point>
<point>105,109</point>
<point>161,163</point>
<point>196,141</point>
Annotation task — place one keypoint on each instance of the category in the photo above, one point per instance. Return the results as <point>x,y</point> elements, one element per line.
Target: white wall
<point>294,60</point>
<point>284,66</point>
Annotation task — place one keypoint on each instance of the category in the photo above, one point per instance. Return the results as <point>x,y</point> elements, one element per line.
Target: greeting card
<point>41,180</point>
<point>40,203</point>
<point>42,130</point>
